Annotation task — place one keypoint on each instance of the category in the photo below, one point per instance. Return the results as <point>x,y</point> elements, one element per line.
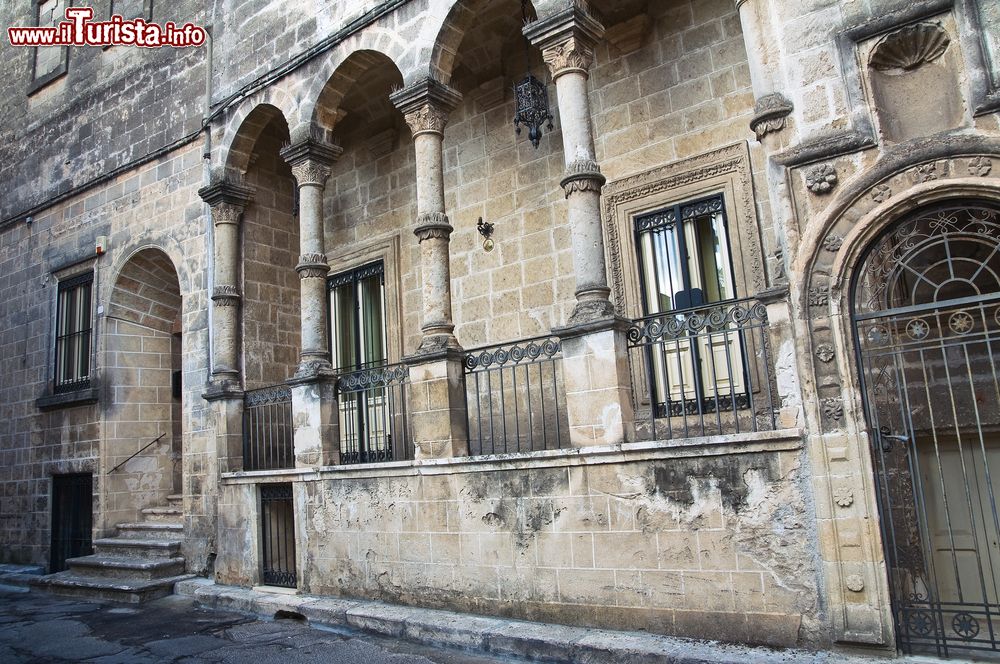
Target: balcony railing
<point>703,371</point>
<point>515,397</point>
<point>374,421</point>
<point>267,429</point>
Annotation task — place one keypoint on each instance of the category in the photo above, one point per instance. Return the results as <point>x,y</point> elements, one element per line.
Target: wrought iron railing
<point>374,420</point>
<point>515,397</point>
<point>267,429</point>
<point>277,532</point>
<point>702,371</point>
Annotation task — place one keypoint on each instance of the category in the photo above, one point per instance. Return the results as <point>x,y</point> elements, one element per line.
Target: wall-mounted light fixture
<point>486,230</point>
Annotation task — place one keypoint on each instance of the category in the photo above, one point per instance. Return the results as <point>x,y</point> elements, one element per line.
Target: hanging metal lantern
<point>531,108</point>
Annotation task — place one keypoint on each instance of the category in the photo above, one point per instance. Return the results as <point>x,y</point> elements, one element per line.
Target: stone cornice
<point>566,38</point>
<point>227,192</point>
<point>311,150</point>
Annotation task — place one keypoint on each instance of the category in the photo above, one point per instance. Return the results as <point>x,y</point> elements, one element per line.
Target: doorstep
<point>499,636</point>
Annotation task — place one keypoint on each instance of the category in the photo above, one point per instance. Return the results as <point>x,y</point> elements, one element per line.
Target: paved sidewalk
<point>38,628</point>
<point>504,638</point>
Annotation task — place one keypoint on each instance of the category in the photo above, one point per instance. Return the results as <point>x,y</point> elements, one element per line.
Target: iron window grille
<point>277,524</point>
<point>685,262</point>
<point>73,333</point>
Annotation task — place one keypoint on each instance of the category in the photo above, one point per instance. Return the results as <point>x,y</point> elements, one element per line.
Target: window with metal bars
<point>685,265</point>
<point>73,333</point>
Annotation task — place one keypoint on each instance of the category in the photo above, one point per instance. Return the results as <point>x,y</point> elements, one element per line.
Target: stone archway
<point>142,374</point>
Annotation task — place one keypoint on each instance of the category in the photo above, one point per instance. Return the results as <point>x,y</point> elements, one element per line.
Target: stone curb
<point>499,636</point>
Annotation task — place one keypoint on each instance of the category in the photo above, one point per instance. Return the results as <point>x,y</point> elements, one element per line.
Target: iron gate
<point>277,525</point>
<point>927,325</point>
<point>72,518</point>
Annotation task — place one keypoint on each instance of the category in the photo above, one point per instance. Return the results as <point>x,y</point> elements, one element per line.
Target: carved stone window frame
<point>386,250</point>
<point>725,170</point>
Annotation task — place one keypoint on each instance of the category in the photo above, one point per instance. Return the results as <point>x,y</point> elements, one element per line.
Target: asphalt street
<point>37,628</point>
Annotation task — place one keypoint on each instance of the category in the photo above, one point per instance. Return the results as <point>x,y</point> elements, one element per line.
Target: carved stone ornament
<point>854,583</point>
<point>843,496</point>
<point>572,54</point>
<point>825,353</point>
<point>821,179</point>
<point>881,193</point>
<point>226,213</point>
<point>924,173</point>
<point>427,119</point>
<point>226,296</point>
<point>769,115</point>
<point>310,172</point>
<point>833,408</point>
<point>433,225</point>
<point>583,175</point>
<point>312,265</point>
<point>980,166</point>
<point>910,47</point>
<point>833,242</point>
<point>819,296</point>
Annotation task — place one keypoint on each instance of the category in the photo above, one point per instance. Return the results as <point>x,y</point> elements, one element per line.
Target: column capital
<point>311,160</point>
<point>567,39</point>
<point>227,194</point>
<point>433,225</point>
<point>582,175</point>
<point>312,266</point>
<point>425,105</point>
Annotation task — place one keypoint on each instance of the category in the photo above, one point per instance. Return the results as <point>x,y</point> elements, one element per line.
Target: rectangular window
<point>685,264</point>
<point>357,317</point>
<point>49,61</point>
<point>73,333</point>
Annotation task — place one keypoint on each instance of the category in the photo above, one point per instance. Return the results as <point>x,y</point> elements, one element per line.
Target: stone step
<point>133,591</point>
<point>149,549</point>
<point>150,530</point>
<point>131,568</point>
<point>162,515</point>
<point>175,500</point>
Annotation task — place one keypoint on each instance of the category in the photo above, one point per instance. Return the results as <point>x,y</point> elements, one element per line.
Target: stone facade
<point>226,185</point>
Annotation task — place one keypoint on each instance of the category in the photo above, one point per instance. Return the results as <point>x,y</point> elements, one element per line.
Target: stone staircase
<point>142,563</point>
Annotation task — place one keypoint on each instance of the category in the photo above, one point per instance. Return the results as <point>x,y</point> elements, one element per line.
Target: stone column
<point>595,359</point>
<point>436,391</point>
<point>314,399</point>
<point>227,201</point>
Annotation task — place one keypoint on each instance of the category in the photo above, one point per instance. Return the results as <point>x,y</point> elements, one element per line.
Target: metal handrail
<point>144,448</point>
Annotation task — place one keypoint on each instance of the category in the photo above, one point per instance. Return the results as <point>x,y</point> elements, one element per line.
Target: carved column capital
<point>311,160</point>
<point>226,296</point>
<point>567,39</point>
<point>582,175</point>
<point>312,265</point>
<point>769,114</point>
<point>425,105</point>
<point>433,225</point>
<point>228,199</point>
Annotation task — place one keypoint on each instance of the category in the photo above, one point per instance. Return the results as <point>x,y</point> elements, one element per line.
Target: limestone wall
<point>704,540</point>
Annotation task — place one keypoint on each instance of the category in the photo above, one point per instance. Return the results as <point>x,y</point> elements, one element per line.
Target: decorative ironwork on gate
<point>267,429</point>
<point>927,328</point>
<point>374,421</point>
<point>277,534</point>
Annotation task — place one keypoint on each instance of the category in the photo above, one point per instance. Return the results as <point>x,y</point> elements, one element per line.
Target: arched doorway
<point>143,371</point>
<point>926,313</point>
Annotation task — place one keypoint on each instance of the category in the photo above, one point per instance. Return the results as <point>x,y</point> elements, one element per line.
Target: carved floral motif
<point>833,408</point>
<point>821,179</point>
<point>854,583</point>
<point>825,353</point>
<point>819,296</point>
<point>833,242</point>
<point>843,496</point>
<point>881,193</point>
<point>980,166</point>
<point>924,173</point>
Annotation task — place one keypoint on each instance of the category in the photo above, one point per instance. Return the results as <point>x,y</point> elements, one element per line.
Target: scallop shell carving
<point>910,47</point>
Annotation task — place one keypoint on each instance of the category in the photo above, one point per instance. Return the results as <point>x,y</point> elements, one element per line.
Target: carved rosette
<point>583,175</point>
<point>574,54</point>
<point>433,225</point>
<point>821,179</point>
<point>312,266</point>
<point>226,296</point>
<point>427,119</point>
<point>770,112</point>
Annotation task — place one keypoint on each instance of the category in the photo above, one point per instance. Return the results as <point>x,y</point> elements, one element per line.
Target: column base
<point>438,415</point>
<point>596,375</point>
<point>312,368</point>
<point>316,437</point>
<point>591,310</point>
<point>437,342</point>
<point>223,385</point>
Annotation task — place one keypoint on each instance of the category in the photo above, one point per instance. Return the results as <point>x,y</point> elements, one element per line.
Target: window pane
<point>49,58</point>
<point>342,326</point>
<point>129,8</point>
<point>708,253</point>
<point>73,333</point>
<point>372,342</point>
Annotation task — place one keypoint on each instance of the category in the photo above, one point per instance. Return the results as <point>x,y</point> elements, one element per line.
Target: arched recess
<point>269,232</point>
<point>142,373</point>
<point>488,35</point>
<point>841,442</point>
